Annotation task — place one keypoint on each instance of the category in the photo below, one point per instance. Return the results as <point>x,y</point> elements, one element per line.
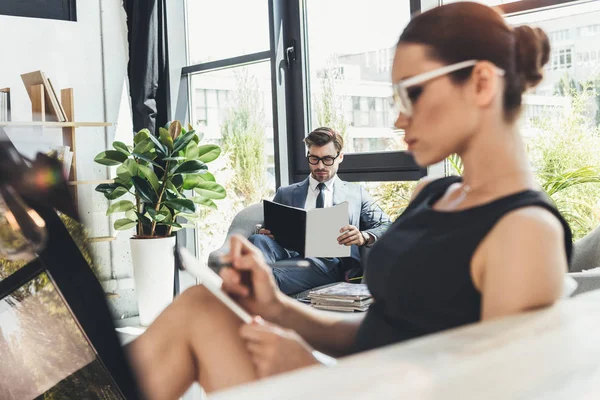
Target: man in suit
<point>323,188</point>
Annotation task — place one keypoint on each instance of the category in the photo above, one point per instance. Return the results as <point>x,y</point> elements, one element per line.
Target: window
<point>226,28</point>
<point>561,119</point>
<point>48,9</point>
<point>230,104</point>
<point>589,30</point>
<point>366,57</point>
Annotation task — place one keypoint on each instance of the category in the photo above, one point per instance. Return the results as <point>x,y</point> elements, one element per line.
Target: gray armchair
<point>243,223</point>
<point>586,256</point>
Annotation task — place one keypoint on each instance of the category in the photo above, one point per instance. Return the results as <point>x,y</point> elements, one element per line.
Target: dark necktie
<point>321,195</point>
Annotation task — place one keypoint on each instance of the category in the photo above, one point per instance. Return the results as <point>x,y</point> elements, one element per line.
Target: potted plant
<point>157,171</point>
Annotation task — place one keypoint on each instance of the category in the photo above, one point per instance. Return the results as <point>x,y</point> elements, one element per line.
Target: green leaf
<point>145,158</point>
<point>203,201</point>
<point>208,152</point>
<point>148,173</point>
<point>172,187</point>
<point>131,214</point>
<point>122,147</point>
<point>120,206</point>
<point>126,170</point>
<point>174,158</point>
<point>182,205</point>
<point>141,136</point>
<point>110,157</point>
<point>144,146</point>
<point>144,190</point>
<point>124,224</point>
<point>207,176</point>
<point>182,141</point>
<point>177,182</point>
<point>192,151</point>
<point>166,139</point>
<point>159,146</point>
<point>191,181</point>
<point>156,216</point>
<point>212,190</point>
<point>111,191</point>
<point>190,167</point>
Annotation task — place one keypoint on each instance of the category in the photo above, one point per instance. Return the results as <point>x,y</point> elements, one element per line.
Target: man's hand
<point>351,236</point>
<point>250,280</point>
<point>263,231</point>
<point>274,349</point>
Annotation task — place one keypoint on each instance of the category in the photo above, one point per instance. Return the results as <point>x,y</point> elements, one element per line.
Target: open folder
<point>311,233</point>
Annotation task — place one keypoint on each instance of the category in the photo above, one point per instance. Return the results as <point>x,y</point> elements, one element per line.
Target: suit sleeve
<point>372,218</point>
<point>278,197</point>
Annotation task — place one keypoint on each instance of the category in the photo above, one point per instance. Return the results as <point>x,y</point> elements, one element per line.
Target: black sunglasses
<point>327,160</point>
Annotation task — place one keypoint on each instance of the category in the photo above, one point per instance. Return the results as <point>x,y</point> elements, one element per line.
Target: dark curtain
<point>148,68</point>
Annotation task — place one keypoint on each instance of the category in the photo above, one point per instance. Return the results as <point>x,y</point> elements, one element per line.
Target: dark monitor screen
<point>44,352</point>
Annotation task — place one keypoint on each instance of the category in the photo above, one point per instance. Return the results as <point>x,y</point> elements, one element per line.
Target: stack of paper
<point>342,297</point>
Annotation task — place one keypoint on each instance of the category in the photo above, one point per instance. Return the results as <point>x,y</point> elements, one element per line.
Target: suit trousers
<point>292,280</point>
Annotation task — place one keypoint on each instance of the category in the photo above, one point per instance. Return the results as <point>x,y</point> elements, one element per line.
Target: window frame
<point>31,9</point>
<point>288,54</point>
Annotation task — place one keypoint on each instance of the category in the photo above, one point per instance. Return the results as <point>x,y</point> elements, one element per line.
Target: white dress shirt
<point>313,193</point>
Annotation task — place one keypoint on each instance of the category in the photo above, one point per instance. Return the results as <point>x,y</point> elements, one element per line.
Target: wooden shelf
<point>55,124</point>
<point>75,183</point>
<point>98,239</point>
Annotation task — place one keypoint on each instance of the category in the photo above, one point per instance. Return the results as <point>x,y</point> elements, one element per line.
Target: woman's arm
<point>329,332</point>
<point>523,263</point>
<point>250,280</point>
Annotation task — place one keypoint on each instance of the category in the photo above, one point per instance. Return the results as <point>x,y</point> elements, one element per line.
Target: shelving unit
<point>39,123</point>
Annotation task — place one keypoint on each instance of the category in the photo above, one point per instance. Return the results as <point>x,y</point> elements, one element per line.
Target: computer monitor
<point>57,338</point>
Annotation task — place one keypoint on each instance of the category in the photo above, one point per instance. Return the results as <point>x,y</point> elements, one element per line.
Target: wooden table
<point>549,354</point>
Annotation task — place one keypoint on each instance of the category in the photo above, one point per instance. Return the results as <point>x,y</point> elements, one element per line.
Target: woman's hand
<point>274,349</point>
<point>250,280</point>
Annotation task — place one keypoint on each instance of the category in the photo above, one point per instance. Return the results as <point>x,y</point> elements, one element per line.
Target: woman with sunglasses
<point>467,249</point>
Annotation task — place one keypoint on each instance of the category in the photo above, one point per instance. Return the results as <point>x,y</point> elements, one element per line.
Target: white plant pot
<point>153,275</point>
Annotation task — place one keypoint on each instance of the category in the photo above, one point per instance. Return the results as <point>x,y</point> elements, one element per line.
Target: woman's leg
<point>194,339</point>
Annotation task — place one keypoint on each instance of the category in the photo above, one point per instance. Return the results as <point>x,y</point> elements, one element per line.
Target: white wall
<point>90,56</point>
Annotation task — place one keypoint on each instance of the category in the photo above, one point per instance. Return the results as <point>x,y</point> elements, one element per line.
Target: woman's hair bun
<point>532,53</point>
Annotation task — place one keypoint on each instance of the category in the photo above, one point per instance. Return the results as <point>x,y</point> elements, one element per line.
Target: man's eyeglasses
<point>407,91</point>
<point>327,160</point>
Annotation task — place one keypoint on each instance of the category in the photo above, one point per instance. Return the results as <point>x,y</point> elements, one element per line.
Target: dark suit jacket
<point>365,214</point>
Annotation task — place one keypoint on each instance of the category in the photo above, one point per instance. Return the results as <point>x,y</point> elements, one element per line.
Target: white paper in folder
<point>322,230</point>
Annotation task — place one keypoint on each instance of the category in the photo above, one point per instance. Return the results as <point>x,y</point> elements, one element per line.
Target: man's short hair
<point>322,136</point>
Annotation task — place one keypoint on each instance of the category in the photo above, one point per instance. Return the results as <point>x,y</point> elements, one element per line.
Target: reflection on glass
<point>22,230</point>
<point>226,28</point>
<point>44,354</point>
<point>233,108</point>
<point>350,70</point>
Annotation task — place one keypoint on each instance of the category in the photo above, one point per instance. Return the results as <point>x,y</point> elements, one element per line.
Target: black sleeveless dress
<point>419,271</point>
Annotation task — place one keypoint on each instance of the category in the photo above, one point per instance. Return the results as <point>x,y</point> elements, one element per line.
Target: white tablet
<point>210,280</point>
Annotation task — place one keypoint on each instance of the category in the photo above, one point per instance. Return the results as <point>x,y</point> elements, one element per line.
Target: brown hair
<point>471,31</point>
<point>322,136</point>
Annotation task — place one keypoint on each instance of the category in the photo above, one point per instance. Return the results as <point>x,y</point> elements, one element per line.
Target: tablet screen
<point>44,353</point>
